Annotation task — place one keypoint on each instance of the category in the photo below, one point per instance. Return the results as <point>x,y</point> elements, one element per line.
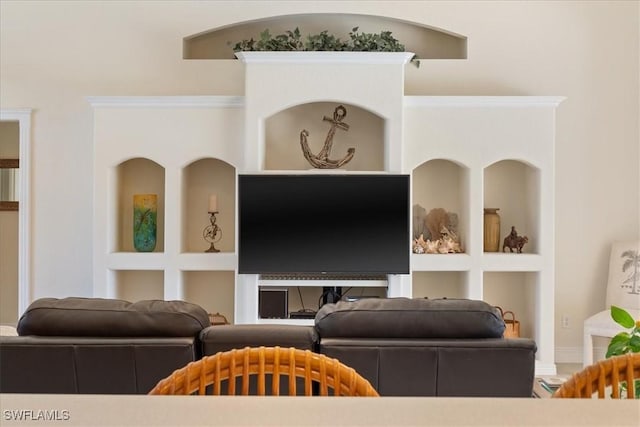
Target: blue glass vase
<point>145,217</point>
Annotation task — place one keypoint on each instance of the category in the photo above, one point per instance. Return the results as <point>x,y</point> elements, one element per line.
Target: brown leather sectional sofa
<point>92,345</point>
<point>404,347</point>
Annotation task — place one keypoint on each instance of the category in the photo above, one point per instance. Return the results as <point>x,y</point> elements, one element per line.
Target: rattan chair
<point>219,373</point>
<point>598,377</point>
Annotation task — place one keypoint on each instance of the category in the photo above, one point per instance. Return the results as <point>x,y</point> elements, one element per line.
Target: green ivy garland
<point>292,41</point>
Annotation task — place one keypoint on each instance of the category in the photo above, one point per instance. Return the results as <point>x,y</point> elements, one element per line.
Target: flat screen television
<point>333,224</point>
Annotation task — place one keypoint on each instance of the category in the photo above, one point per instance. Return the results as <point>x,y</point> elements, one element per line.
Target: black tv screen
<point>339,224</point>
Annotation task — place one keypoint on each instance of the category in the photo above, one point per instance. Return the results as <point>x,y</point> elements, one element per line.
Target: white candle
<point>213,203</point>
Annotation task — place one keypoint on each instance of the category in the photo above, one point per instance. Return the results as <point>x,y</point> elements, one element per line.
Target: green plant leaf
<point>621,317</point>
<point>618,344</point>
<point>634,343</point>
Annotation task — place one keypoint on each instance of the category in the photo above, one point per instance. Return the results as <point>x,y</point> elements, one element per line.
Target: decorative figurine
<point>321,160</point>
<point>513,241</point>
<point>212,233</point>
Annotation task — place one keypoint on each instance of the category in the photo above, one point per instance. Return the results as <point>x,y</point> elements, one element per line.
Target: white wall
<point>55,54</point>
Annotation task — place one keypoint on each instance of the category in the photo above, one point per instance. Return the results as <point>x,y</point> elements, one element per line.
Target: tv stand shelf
<point>307,281</point>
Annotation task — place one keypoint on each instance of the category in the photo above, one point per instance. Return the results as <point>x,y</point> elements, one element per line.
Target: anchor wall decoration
<point>322,160</point>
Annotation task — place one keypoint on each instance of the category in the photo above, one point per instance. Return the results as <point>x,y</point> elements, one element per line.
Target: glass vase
<point>145,217</point>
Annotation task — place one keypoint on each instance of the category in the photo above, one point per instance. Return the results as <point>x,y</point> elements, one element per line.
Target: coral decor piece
<point>436,222</point>
<point>440,227</point>
<point>321,160</point>
<point>419,214</point>
<point>444,245</point>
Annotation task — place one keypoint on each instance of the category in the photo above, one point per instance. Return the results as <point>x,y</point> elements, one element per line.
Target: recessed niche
<point>439,284</point>
<point>137,285</point>
<point>202,179</point>
<point>514,188</point>
<point>138,176</point>
<point>516,292</point>
<point>212,290</point>
<point>310,297</point>
<point>365,133</point>
<point>425,41</point>
<point>441,184</point>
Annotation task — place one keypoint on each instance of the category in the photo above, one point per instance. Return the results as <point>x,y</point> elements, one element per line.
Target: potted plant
<point>625,341</point>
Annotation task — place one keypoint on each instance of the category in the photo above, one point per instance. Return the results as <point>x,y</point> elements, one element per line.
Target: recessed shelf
<point>208,261</point>
<point>441,184</point>
<point>212,290</point>
<point>203,178</point>
<point>440,262</point>
<point>514,291</point>
<point>136,261</point>
<point>514,187</point>
<point>439,284</point>
<point>511,262</point>
<point>365,133</point>
<point>137,176</point>
<point>137,285</point>
<point>427,42</point>
<point>307,282</point>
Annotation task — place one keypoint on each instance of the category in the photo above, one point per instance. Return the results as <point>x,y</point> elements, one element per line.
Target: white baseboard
<point>574,354</point>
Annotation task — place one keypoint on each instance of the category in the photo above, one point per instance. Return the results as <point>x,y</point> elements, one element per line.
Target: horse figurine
<point>513,241</point>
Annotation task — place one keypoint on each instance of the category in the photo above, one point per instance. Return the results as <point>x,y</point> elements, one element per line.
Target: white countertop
<point>140,410</point>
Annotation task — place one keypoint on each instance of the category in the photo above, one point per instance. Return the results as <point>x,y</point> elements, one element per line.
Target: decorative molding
<point>166,101</point>
<point>482,101</point>
<point>326,57</point>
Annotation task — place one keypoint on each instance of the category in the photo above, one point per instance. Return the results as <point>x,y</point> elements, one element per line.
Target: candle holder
<point>212,233</point>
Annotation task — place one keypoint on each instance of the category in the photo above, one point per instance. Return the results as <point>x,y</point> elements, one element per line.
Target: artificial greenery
<point>323,41</point>
<point>626,341</point>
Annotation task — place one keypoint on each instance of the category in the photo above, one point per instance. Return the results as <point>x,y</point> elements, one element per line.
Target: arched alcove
<point>426,42</point>
<point>202,179</point>
<point>365,133</point>
<point>513,186</point>
<point>442,183</point>
<point>137,176</point>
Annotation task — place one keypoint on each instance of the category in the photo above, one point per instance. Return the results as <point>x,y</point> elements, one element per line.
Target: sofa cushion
<point>227,337</point>
<point>97,317</point>
<point>409,318</point>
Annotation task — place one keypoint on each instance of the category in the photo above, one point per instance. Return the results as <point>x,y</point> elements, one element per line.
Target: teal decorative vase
<point>145,216</point>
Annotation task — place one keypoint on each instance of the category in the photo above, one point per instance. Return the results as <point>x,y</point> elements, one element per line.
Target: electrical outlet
<point>565,321</point>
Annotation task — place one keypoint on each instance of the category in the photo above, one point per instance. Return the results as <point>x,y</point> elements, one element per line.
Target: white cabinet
<point>470,153</point>
<point>462,153</point>
<point>184,149</point>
